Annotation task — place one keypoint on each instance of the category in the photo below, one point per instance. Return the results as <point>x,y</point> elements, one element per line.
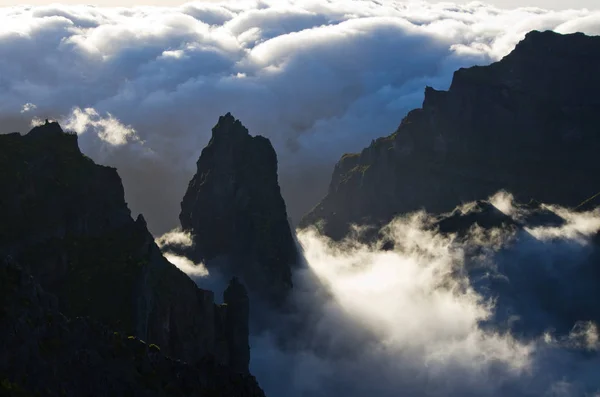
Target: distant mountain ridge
<point>527,124</point>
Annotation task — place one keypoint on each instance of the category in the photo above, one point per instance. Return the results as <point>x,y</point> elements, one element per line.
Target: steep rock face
<point>527,124</point>
<point>46,353</point>
<point>236,309</point>
<point>234,210</point>
<point>65,219</point>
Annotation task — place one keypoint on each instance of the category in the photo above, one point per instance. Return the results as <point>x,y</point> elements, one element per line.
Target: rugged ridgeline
<point>234,210</point>
<point>65,220</point>
<point>527,124</point>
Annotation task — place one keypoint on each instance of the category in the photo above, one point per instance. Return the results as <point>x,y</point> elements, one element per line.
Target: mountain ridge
<point>501,126</point>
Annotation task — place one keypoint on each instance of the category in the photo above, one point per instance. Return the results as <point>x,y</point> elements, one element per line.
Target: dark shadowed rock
<point>234,210</point>
<point>527,124</point>
<point>65,220</point>
<point>480,213</point>
<point>45,353</point>
<point>236,309</point>
<point>483,214</point>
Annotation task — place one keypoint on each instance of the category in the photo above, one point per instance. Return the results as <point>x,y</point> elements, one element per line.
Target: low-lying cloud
<point>429,318</point>
<point>317,78</point>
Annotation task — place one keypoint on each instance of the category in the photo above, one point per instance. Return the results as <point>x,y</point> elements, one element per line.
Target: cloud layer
<point>144,85</point>
<point>428,318</point>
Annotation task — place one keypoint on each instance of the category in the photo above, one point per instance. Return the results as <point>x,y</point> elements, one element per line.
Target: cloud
<point>317,78</point>
<point>28,107</point>
<point>429,316</point>
<point>187,266</point>
<point>174,239</point>
<point>107,129</point>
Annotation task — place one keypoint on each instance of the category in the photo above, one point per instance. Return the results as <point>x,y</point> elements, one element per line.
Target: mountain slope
<point>527,124</point>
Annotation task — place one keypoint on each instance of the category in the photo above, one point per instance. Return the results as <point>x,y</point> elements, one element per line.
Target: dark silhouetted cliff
<point>527,124</point>
<point>235,213</point>
<point>45,353</point>
<point>65,220</point>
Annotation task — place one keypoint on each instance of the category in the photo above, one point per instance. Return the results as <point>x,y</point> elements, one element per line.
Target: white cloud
<point>423,319</point>
<point>28,107</point>
<point>186,265</point>
<point>317,78</point>
<point>175,237</point>
<point>108,129</point>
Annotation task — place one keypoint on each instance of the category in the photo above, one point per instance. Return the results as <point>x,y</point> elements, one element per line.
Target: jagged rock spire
<point>234,210</point>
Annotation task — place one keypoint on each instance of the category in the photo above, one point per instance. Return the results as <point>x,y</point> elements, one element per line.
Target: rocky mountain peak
<point>235,213</point>
<point>228,128</point>
<point>536,43</point>
<point>48,128</point>
<point>49,134</point>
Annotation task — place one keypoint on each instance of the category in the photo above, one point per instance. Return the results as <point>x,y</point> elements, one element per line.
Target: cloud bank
<point>144,85</point>
<point>443,315</point>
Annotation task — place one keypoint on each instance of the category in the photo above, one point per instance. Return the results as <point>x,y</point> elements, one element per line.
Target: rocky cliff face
<point>65,220</point>
<point>46,353</point>
<point>235,213</point>
<point>527,124</point>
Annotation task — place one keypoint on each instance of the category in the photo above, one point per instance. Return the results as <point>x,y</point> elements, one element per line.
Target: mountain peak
<point>234,210</point>
<point>542,44</point>
<point>49,128</point>
<point>228,127</point>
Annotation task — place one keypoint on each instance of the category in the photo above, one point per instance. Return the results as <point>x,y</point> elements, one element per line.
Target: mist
<point>143,86</point>
<point>508,310</point>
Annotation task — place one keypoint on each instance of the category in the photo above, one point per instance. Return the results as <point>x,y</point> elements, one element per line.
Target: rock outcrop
<point>46,353</point>
<point>65,220</point>
<point>527,124</point>
<point>234,210</point>
<point>236,325</point>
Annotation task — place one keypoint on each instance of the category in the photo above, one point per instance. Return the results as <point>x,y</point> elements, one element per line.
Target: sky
<point>143,86</point>
<point>507,4</point>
